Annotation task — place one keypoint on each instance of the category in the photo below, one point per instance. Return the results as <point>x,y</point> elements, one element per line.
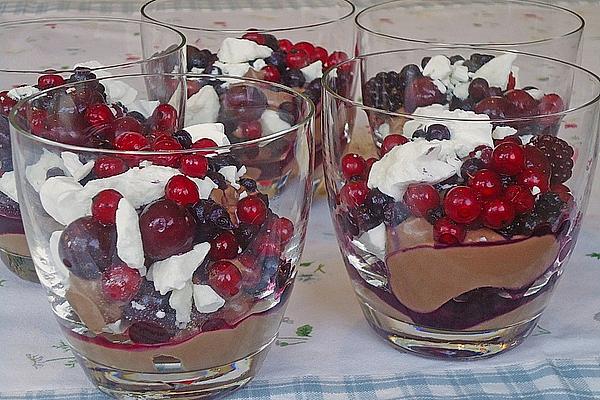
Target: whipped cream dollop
<point>465,135</point>
<point>22,92</point>
<point>500,132</point>
<point>202,107</point>
<point>313,71</point>
<point>497,70</point>
<point>8,185</point>
<point>414,162</point>
<point>214,131</point>
<point>144,107</point>
<point>235,51</point>
<point>438,67</point>
<point>271,122</point>
<point>37,172</point>
<point>130,248</point>
<point>74,166</point>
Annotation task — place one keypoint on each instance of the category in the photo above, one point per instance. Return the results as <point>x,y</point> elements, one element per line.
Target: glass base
<point>19,265</point>
<point>433,343</point>
<point>204,384</point>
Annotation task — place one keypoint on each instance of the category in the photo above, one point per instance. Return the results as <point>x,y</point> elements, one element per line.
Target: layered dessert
<point>262,56</point>
<point>168,263</point>
<point>462,219</point>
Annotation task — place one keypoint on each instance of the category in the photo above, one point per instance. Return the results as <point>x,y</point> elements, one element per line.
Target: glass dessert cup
<point>528,26</point>
<point>167,266</point>
<point>43,53</point>
<point>298,42</point>
<point>457,212</point>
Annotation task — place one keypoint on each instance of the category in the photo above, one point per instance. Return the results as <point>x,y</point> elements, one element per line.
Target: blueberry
<point>184,138</point>
<point>366,218</point>
<point>437,132</point>
<point>458,104</point>
<point>395,213</point>
<point>245,233</point>
<point>208,211</point>
<point>293,78</point>
<point>137,115</point>
<point>419,133</point>
<point>376,199</point>
<point>54,172</point>
<point>425,61</point>
<point>277,59</point>
<point>248,184</point>
<point>470,166</point>
<point>434,215</point>
<point>288,112</point>
<point>222,160</point>
<point>197,58</point>
<point>454,59</point>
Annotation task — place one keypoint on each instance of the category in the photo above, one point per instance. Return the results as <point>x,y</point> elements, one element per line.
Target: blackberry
<point>434,215</point>
<point>549,206</point>
<point>454,59</point>
<point>365,218</point>
<point>395,213</point>
<point>197,58</point>
<point>466,104</point>
<point>384,91</point>
<point>560,154</point>
<point>476,61</point>
<point>249,184</point>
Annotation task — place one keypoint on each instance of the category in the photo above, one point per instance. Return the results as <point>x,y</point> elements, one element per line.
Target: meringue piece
<point>130,248</point>
<point>60,269</point>
<point>36,173</point>
<point>537,94</point>
<point>417,161</point>
<point>500,132</point>
<point>271,122</point>
<point>205,186</point>
<point>235,51</point>
<point>313,71</point>
<point>214,131</point>
<point>202,107</point>
<point>230,174</point>
<point>94,65</point>
<point>8,185</point>
<point>174,272</point>
<point>74,166</point>
<point>259,64</point>
<point>497,70</point>
<point>144,107</point>
<point>22,92</point>
<point>441,86</point>
<point>374,240</point>
<point>62,199</point>
<point>461,90</point>
<point>206,299</point>
<point>233,69</point>
<point>181,301</point>
<point>119,91</point>
<point>438,67</point>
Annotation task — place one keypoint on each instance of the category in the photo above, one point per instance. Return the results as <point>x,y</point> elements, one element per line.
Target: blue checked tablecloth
<point>325,349</point>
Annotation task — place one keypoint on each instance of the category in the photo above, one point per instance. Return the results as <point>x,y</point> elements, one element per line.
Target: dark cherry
<point>106,166</point>
<point>293,78</point>
<point>478,89</point>
<point>494,107</point>
<point>535,158</point>
<point>167,229</point>
<point>121,283</point>
<point>245,103</point>
<point>462,205</point>
<point>421,92</point>
<point>87,247</point>
<point>223,247</point>
<point>104,206</point>
<point>251,130</point>
<point>127,124</point>
<point>550,104</point>
<point>520,103</point>
<point>421,198</point>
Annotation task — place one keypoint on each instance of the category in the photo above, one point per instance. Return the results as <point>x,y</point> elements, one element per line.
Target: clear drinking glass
<point>280,26</point>
<point>528,26</point>
<point>33,49</point>
<point>457,212</point>
<point>168,266</point>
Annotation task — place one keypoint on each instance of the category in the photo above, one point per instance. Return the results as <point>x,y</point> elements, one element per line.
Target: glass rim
<point>26,22</point>
<point>540,4</point>
<point>347,15</point>
<point>306,120</point>
<point>585,104</point>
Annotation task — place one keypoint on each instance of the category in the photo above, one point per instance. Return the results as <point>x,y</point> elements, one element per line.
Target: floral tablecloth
<point>325,349</point>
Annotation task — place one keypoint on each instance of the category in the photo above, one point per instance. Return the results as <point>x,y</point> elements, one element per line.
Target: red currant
<point>309,48</point>
<point>320,54</point>
<point>182,190</point>
<point>49,81</point>
<point>37,122</point>
<point>534,180</point>
<point>225,278</point>
<point>121,283</point>
<point>98,114</point>
<point>392,141</point>
<point>194,165</point>
<point>353,194</point>
<point>204,143</point>
<point>130,141</point>
<point>508,159</point>
<point>487,184</point>
<point>104,206</point>
<point>421,198</point>
<point>284,229</point>
<point>167,144</point>
<point>6,103</point>
<point>297,58</point>
<point>285,45</point>
<point>252,210</point>
<point>109,166</point>
<point>251,130</point>
<point>521,198</point>
<point>353,165</point>
<point>520,103</point>
<point>164,118</point>
<point>223,247</point>
<point>271,74</point>
<point>335,58</point>
<point>127,124</point>
<point>446,231</point>
<point>550,104</point>
<point>497,214</point>
<point>462,205</point>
